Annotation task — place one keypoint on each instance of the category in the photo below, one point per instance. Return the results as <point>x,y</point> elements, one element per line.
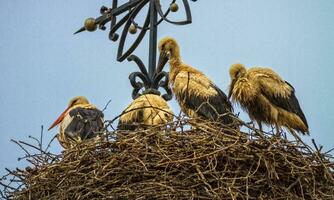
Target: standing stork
<point>197,95</point>
<point>80,120</point>
<point>146,110</point>
<point>267,98</point>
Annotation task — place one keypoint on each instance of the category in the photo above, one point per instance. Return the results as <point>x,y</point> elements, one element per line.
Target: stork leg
<point>260,125</point>
<point>278,130</point>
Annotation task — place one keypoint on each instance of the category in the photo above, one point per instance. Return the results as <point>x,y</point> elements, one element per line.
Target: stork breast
<point>66,125</point>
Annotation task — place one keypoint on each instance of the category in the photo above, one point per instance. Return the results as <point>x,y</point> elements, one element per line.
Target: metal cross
<point>152,79</point>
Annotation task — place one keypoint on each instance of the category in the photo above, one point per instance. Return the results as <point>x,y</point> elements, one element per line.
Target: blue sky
<point>43,64</point>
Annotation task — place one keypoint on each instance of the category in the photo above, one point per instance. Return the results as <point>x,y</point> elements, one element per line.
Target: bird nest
<point>176,162</point>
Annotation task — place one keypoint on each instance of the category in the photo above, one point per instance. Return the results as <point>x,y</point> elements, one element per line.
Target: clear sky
<point>43,64</point>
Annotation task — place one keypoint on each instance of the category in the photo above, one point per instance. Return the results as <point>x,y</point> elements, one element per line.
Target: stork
<point>146,110</point>
<point>80,120</point>
<point>267,98</point>
<point>196,94</point>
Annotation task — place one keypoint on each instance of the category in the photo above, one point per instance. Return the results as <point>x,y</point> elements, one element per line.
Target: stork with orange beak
<point>80,120</point>
<point>197,95</point>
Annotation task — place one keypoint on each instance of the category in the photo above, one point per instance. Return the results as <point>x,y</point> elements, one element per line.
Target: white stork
<point>197,95</point>
<point>80,120</point>
<point>146,110</point>
<point>267,98</point>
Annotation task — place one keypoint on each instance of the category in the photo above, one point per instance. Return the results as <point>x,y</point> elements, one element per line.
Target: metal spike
<point>80,30</point>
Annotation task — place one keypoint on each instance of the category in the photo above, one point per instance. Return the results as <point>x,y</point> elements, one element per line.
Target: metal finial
<point>150,79</point>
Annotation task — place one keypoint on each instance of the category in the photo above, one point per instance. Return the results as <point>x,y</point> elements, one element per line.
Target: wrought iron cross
<point>152,79</point>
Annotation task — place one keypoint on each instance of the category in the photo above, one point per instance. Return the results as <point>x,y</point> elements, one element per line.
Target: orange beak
<point>59,119</point>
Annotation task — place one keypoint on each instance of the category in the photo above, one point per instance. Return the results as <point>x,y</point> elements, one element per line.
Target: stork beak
<point>59,119</point>
<point>231,88</point>
<point>163,59</point>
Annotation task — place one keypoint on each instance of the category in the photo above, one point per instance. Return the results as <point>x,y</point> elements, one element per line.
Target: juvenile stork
<point>146,110</point>
<point>80,120</point>
<point>196,94</point>
<point>267,98</point>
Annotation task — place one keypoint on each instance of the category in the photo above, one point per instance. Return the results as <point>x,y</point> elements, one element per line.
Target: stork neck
<point>175,64</point>
<point>86,105</point>
<point>175,61</point>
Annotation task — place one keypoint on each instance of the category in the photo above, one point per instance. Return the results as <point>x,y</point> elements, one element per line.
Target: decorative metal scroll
<point>152,79</point>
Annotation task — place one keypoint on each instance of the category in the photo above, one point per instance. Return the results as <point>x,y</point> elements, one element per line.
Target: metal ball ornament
<point>133,29</point>
<point>90,24</point>
<point>174,7</point>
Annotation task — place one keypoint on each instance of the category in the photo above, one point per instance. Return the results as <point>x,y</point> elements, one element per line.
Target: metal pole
<point>153,39</point>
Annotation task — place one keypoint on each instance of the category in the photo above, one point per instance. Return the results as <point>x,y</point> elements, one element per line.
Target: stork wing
<point>200,94</point>
<point>279,92</point>
<point>85,122</point>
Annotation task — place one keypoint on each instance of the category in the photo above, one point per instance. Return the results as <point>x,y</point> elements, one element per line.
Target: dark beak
<point>231,88</point>
<point>163,59</point>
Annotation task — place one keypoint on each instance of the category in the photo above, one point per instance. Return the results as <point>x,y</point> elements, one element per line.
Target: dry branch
<point>205,162</point>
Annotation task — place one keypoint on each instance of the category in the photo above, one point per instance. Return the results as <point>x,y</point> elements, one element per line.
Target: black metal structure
<point>152,79</point>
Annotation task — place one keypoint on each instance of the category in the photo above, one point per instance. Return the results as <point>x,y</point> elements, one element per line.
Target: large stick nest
<point>205,162</point>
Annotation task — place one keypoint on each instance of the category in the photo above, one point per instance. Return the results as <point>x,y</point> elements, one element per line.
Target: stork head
<point>79,100</point>
<point>236,71</point>
<point>169,49</point>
